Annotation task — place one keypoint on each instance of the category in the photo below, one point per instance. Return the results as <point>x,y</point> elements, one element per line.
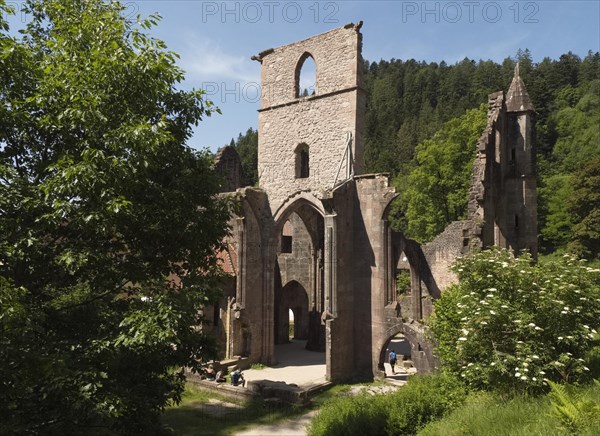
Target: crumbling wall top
<point>279,71</point>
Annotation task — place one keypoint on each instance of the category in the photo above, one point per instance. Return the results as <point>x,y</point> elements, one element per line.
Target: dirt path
<point>289,427</point>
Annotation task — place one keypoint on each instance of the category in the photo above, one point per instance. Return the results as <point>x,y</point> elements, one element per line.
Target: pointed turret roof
<point>517,98</point>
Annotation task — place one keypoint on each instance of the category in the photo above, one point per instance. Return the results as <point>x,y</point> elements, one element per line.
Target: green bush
<point>423,399</point>
<point>511,325</point>
<point>592,361</point>
<point>400,413</point>
<point>351,415</point>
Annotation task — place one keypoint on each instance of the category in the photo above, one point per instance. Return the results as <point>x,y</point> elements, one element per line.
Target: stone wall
<point>502,208</point>
<point>286,121</point>
<point>442,252</point>
<point>337,54</point>
<point>229,165</point>
<point>297,265</point>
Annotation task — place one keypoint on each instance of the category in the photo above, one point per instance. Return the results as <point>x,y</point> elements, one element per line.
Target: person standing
<point>393,361</point>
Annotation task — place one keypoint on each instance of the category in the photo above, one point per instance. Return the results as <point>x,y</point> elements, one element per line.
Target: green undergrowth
<point>258,366</point>
<point>439,405</point>
<point>400,412</point>
<point>486,414</point>
<point>192,416</point>
<point>569,411</point>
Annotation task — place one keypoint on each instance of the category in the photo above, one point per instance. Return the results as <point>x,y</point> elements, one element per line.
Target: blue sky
<point>216,39</point>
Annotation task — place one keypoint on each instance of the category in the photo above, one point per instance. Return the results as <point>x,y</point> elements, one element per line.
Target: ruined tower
<point>297,149</point>
<point>517,228</point>
<point>503,196</point>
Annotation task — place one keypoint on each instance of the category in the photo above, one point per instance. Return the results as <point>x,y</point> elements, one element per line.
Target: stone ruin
<point>314,238</point>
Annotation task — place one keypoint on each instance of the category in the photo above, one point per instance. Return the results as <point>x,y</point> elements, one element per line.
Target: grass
<point>191,417</point>
<point>486,414</point>
<point>482,413</point>
<point>400,412</point>
<point>491,415</point>
<point>258,366</point>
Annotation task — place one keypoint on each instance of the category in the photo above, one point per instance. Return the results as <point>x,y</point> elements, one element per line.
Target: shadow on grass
<point>202,413</point>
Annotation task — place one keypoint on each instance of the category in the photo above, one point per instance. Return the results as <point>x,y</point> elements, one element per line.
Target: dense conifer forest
<point>424,119</point>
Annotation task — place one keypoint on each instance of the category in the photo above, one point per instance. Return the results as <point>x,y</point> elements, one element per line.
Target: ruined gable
<point>297,149</point>
<point>229,165</point>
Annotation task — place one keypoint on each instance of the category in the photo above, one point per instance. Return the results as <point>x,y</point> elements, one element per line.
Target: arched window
<point>306,76</point>
<point>302,161</point>
<point>287,237</point>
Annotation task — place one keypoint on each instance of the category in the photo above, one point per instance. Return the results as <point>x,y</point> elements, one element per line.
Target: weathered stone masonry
<point>315,239</point>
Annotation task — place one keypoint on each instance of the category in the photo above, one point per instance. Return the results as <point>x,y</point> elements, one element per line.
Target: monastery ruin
<point>314,237</point>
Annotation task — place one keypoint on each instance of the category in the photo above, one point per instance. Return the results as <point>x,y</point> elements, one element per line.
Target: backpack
<point>392,355</point>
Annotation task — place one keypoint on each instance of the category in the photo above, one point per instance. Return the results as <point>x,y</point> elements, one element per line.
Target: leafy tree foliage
<point>409,101</point>
<point>553,196</point>
<point>584,206</point>
<point>576,123</point>
<point>577,145</point>
<point>247,148</point>
<point>437,187</point>
<point>108,223</point>
<point>509,325</point>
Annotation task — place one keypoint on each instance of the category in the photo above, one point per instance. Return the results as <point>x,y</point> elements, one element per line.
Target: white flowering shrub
<point>509,324</point>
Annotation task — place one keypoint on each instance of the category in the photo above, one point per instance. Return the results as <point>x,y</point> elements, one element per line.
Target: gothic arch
<point>298,73</point>
<point>293,203</point>
<point>421,351</point>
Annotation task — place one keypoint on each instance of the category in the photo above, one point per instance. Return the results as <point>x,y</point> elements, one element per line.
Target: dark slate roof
<point>517,98</point>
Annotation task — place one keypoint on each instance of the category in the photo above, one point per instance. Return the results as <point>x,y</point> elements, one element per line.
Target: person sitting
<point>220,377</point>
<point>237,378</point>
<point>210,373</point>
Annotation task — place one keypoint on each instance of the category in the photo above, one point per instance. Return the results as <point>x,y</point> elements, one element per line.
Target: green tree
<point>584,206</point>
<point>512,325</point>
<point>575,122</point>
<point>577,126</point>
<point>554,195</point>
<point>247,147</point>
<point>437,187</point>
<point>108,223</point>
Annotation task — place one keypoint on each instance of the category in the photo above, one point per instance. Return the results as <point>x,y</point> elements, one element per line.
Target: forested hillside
<point>423,120</point>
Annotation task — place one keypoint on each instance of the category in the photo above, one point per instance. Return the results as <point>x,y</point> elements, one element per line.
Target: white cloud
<point>205,60</point>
